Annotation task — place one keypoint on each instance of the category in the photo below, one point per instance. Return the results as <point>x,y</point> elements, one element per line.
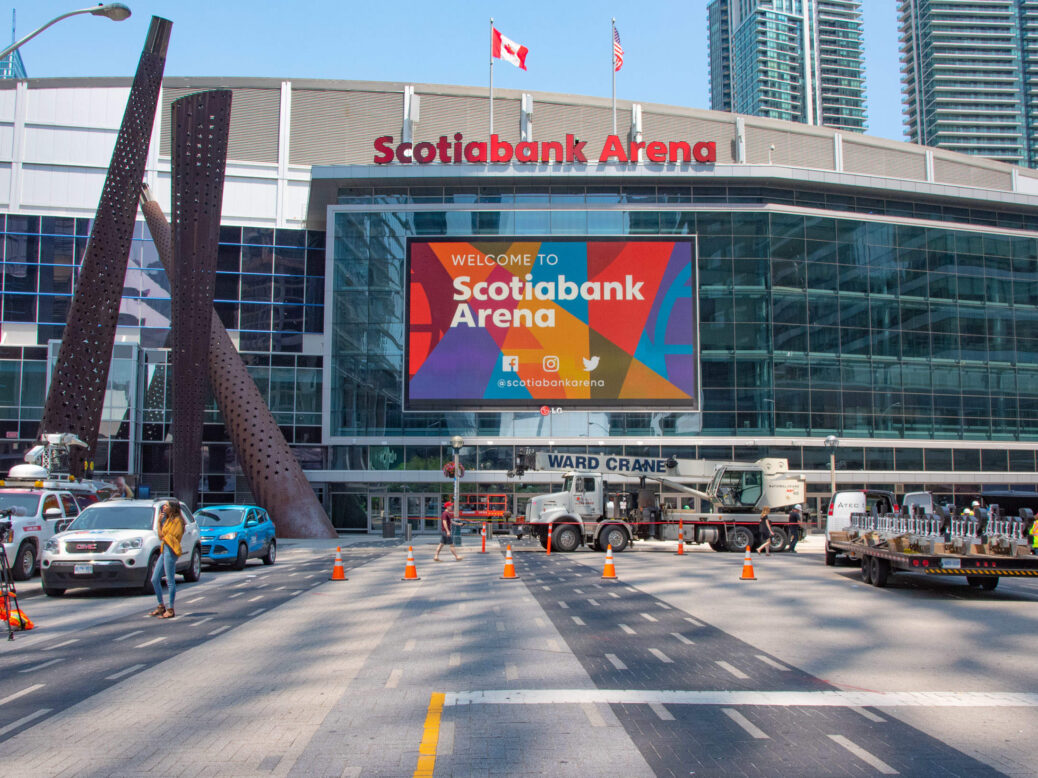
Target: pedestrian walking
<point>122,489</point>
<point>171,531</point>
<point>796,532</point>
<point>446,538</point>
<point>765,531</point>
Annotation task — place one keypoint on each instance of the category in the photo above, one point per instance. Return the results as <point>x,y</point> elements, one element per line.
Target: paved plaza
<point>678,668</point>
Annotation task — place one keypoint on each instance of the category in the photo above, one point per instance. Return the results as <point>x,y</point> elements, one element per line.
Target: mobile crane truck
<point>589,511</point>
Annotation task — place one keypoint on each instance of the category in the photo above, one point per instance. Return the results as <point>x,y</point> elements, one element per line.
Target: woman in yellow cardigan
<point>171,530</point>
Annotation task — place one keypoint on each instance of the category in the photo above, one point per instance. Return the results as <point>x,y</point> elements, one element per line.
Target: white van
<point>843,504</point>
<point>923,499</point>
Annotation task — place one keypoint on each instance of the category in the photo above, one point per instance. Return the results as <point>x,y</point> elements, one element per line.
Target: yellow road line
<point>430,737</point>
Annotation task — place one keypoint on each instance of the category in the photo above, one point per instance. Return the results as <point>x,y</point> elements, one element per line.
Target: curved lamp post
<point>117,12</point>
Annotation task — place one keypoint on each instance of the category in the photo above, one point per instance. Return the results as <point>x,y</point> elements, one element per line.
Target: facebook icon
<point>509,364</point>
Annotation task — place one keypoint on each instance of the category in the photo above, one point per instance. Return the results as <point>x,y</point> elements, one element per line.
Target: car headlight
<point>123,546</point>
<point>51,545</point>
<point>228,536</point>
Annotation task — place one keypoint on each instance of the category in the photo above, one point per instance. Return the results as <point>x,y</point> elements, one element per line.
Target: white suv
<point>115,545</point>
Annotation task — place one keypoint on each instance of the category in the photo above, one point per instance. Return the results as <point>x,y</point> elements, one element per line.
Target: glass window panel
<point>532,222</point>
<point>605,222</point>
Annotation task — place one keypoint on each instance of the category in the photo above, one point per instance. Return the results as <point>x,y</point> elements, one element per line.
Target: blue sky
<point>665,44</point>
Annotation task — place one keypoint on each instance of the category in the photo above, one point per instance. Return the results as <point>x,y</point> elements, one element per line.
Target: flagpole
<point>612,66</point>
<point>491,75</point>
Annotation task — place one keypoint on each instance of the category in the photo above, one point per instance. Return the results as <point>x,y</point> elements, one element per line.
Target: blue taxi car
<point>233,534</point>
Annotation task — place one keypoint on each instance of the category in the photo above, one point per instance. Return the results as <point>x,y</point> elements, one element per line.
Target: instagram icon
<point>550,364</point>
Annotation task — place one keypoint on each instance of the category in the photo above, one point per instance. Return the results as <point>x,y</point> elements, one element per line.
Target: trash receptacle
<point>389,528</point>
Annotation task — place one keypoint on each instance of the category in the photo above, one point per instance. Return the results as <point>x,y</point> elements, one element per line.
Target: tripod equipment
<point>8,593</point>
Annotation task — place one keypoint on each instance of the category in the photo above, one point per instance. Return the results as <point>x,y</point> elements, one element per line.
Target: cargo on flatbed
<point>981,550</point>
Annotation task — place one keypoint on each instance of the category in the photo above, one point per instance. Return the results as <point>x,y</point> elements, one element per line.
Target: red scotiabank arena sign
<point>500,151</point>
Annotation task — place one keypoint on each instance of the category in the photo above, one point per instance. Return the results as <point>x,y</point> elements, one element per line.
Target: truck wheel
<point>880,572</point>
<point>973,581</point>
<point>542,538</point>
<point>613,535</point>
<point>719,545</point>
<point>987,584</point>
<point>565,538</point>
<point>24,562</point>
<point>866,569</point>
<point>739,538</point>
<point>779,539</point>
<point>830,556</point>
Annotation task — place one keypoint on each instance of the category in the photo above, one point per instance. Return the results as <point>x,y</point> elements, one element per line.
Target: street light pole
<point>831,443</point>
<point>456,443</point>
<point>117,12</point>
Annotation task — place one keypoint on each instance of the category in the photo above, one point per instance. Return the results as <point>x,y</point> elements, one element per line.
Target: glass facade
<point>810,325</point>
<point>269,294</point>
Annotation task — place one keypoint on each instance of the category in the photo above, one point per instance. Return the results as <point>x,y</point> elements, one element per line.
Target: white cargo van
<point>843,504</point>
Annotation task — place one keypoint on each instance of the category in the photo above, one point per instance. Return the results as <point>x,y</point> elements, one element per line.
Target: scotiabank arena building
<point>695,284</point>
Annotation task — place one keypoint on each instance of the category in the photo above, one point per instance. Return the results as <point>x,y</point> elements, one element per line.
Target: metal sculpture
<point>201,124</point>
<point>275,478</point>
<point>77,389</point>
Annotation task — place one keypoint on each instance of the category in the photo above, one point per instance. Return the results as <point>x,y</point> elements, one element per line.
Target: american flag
<point>618,51</point>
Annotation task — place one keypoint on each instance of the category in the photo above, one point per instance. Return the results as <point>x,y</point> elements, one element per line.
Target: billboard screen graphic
<point>510,323</point>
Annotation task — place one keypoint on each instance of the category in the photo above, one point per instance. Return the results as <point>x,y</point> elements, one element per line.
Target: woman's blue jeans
<point>166,565</point>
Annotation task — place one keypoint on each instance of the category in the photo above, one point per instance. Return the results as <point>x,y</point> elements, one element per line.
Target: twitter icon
<point>590,364</point>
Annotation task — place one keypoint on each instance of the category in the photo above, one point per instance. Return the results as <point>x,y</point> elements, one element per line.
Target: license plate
<point>83,570</point>
<point>951,563</point>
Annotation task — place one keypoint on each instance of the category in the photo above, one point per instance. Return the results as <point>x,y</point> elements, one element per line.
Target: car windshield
<point>115,517</point>
<point>28,503</point>
<point>219,517</point>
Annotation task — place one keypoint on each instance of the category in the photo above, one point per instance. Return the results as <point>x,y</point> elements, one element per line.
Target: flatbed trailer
<point>881,557</point>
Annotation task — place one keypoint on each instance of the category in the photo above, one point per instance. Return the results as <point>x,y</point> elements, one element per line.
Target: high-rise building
<point>797,60</point>
<point>11,66</point>
<point>970,76</point>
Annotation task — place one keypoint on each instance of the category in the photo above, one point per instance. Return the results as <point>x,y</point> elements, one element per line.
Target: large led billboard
<point>512,323</point>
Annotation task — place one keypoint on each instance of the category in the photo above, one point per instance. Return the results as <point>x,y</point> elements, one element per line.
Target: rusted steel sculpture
<point>200,123</point>
<point>77,388</point>
<point>274,475</point>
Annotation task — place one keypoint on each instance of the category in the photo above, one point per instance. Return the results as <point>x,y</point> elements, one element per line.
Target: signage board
<point>515,323</point>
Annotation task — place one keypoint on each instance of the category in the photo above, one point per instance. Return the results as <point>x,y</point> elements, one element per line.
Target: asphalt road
<point>628,639</point>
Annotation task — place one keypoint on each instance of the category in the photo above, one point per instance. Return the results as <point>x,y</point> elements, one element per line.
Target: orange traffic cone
<point>609,571</point>
<point>509,565</point>
<point>338,573</point>
<point>747,568</point>
<point>410,572</point>
<point>681,539</point>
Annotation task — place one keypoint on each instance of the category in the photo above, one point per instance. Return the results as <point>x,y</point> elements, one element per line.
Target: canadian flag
<point>508,50</point>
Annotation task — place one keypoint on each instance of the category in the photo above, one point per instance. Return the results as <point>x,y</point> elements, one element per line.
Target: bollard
<point>483,542</point>
<point>549,541</point>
